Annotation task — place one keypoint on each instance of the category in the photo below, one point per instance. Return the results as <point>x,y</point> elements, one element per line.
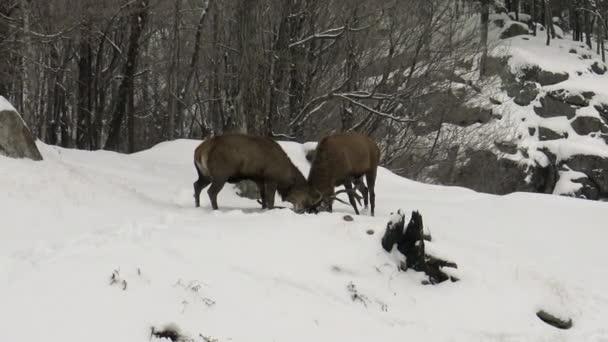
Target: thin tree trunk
<point>485,14</point>
<point>548,22</point>
<point>533,17</point>
<point>84,93</point>
<point>138,22</point>
<point>174,76</point>
<point>253,72</point>
<point>186,86</point>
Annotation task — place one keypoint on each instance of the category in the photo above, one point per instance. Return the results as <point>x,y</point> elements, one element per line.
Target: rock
<point>552,107</point>
<point>485,172</point>
<point>574,99</point>
<point>499,66</point>
<point>370,232</point>
<point>248,189</point>
<point>532,131</point>
<point>499,22</point>
<point>514,29</point>
<point>495,101</point>
<point>584,125</point>
<point>506,146</point>
<point>16,140</point>
<point>348,218</point>
<point>595,167</point>
<point>602,109</point>
<point>545,134</point>
<point>554,320</point>
<point>526,94</point>
<point>439,104</point>
<point>535,74</point>
<point>588,190</point>
<point>598,69</point>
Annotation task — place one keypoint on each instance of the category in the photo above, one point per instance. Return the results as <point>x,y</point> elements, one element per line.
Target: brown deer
<point>343,159</point>
<point>235,157</point>
<point>357,182</point>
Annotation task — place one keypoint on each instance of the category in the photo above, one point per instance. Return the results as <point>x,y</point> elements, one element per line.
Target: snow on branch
<point>329,34</point>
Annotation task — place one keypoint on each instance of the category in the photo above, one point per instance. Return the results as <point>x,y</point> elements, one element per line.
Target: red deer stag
<point>235,157</point>
<point>357,182</point>
<point>342,159</point>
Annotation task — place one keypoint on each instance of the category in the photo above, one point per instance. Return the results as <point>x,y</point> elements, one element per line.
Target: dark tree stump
<point>410,242</point>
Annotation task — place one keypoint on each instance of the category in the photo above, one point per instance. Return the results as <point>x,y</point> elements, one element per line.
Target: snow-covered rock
<point>16,140</point>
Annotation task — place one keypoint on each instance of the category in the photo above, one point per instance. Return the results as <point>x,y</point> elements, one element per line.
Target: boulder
<point>598,68</point>
<point>545,78</point>
<point>514,29</point>
<point>552,107</point>
<point>485,172</point>
<point>16,140</point>
<point>526,94</point>
<point>588,189</point>
<point>574,99</point>
<point>595,167</point>
<point>545,134</point>
<point>451,109</point>
<point>507,147</point>
<point>602,109</point>
<point>584,125</point>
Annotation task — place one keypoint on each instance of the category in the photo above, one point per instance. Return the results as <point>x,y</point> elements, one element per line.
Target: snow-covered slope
<point>242,274</point>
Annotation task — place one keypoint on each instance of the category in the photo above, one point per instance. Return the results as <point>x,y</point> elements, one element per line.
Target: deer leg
<point>262,189</point>
<point>358,182</point>
<point>271,188</point>
<point>199,185</point>
<point>351,198</point>
<point>370,177</point>
<point>214,189</point>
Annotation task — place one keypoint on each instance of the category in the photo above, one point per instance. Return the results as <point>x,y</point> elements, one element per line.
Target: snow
<point>527,51</point>
<point>5,105</point>
<point>242,274</point>
<point>565,184</point>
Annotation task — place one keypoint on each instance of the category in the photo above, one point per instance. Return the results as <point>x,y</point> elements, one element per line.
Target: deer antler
<point>348,191</point>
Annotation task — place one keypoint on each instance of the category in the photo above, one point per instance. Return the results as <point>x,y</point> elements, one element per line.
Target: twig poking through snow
<point>355,295</point>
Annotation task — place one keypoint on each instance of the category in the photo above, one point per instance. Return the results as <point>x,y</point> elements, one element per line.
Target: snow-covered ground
<point>243,274</point>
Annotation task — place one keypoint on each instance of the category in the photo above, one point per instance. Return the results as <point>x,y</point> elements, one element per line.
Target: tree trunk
<point>174,74</point>
<point>533,17</point>
<point>84,93</point>
<point>253,73</point>
<point>485,13</point>
<point>138,21</point>
<point>186,86</point>
<point>588,29</point>
<point>548,22</point>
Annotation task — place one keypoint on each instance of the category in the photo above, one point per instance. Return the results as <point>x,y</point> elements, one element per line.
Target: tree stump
<point>410,242</point>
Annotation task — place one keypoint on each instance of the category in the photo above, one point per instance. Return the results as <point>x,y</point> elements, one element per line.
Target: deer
<point>343,159</point>
<point>357,182</point>
<point>233,157</point>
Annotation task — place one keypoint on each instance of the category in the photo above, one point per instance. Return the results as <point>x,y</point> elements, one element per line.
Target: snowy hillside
<point>241,274</point>
<point>549,127</point>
